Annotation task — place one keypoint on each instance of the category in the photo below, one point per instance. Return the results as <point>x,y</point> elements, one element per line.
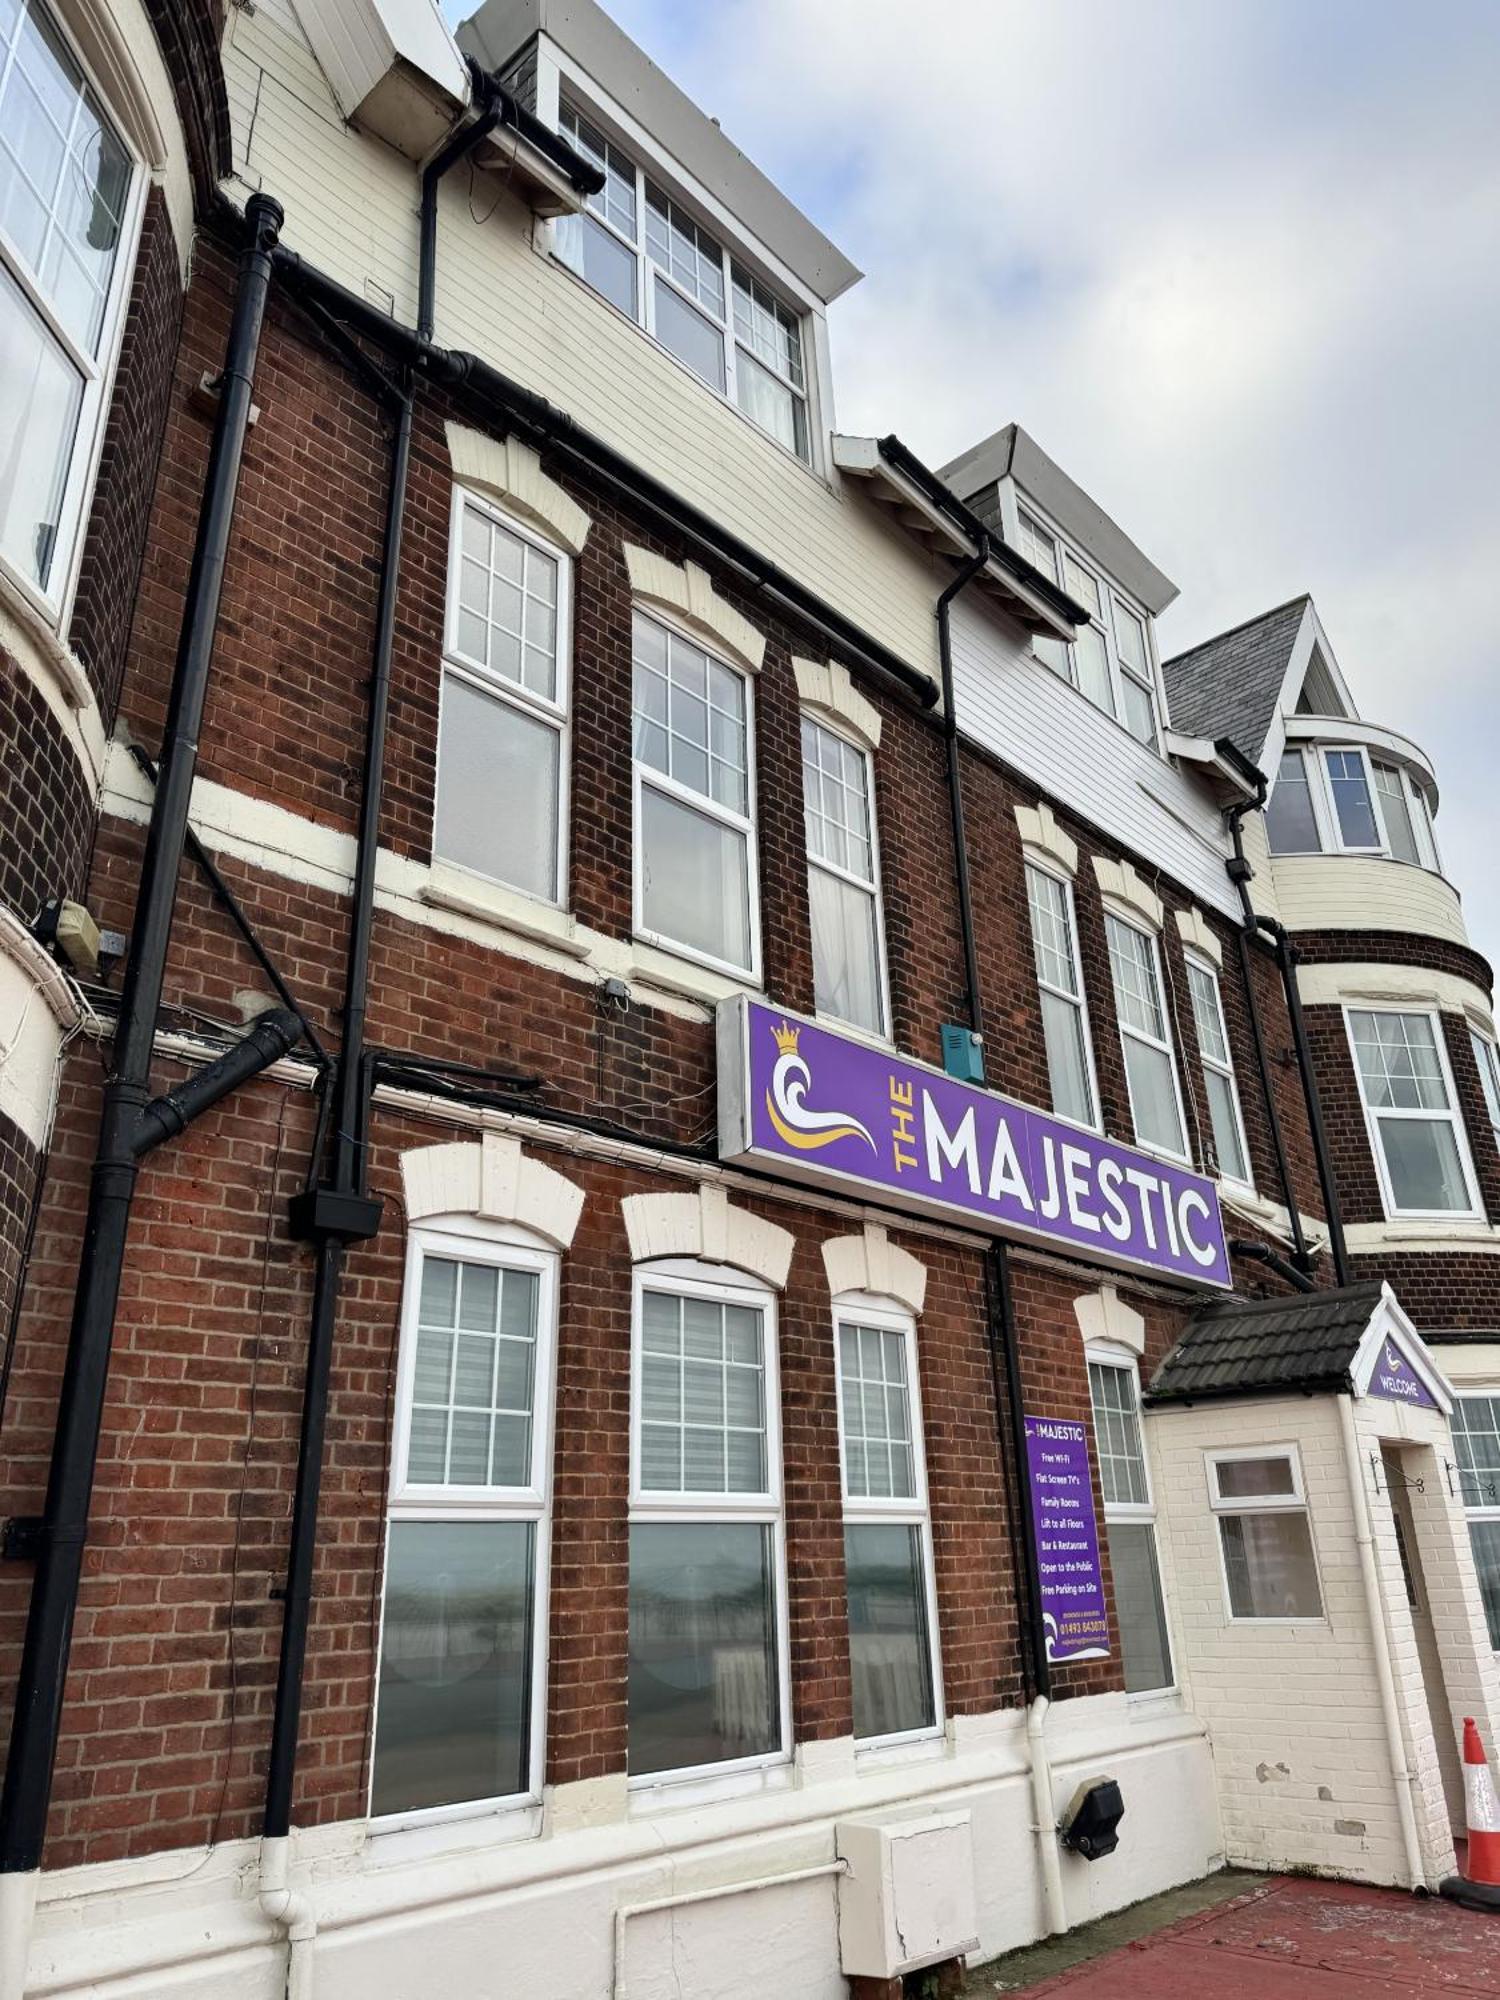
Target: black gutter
<point>1241,873</point>
<point>274,1034</point>
<point>968,523</point>
<point>961,579</point>
<point>489,103</point>
<point>552,428</point>
<point>54,1595</point>
<point>1010,1426</point>
<point>1262,1253</point>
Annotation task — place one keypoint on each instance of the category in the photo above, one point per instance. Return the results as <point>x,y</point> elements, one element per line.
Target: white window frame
<point>874,888</point>
<point>1167,1047</point>
<point>556,714</point>
<point>1030,519</point>
<point>1453,1115</point>
<point>575,99</point>
<point>504,1246</point>
<point>1294,1502</point>
<point>55,603</point>
<point>1337,843</point>
<point>1198,962</point>
<point>725,1285</point>
<point>1487,1059</point>
<point>915,1511</point>
<point>1130,1513</point>
<point>1418,816</point>
<point>646,775</point>
<point>1080,999</point>
<point>1486,1511</point>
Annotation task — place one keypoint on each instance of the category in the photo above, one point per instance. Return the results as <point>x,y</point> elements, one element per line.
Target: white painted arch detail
<point>1124,890</point>
<point>870,1262</point>
<point>1044,840</point>
<point>687,590</point>
<point>506,470</point>
<point>1105,1320</point>
<point>826,688</point>
<point>493,1178</point>
<point>708,1226</point>
<point>1195,931</point>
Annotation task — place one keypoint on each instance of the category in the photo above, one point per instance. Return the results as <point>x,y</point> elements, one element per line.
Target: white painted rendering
<point>1196,933</point>
<point>687,589</point>
<point>1044,840</point>
<point>40,1009</point>
<point>870,1263</point>
<point>1124,891</point>
<point>494,1179</point>
<point>825,686</point>
<point>1367,985</point>
<point>709,1227</point>
<point>1105,1320</point>
<point>431,1917</point>
<point>509,471</point>
<point>1356,892</point>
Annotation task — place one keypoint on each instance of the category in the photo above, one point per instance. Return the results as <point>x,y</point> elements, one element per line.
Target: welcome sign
<point>821,1107</point>
<point>1397,1381</point>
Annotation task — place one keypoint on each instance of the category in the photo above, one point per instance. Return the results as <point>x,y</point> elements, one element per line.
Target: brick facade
<point>1430,954</point>
<point>46,806</point>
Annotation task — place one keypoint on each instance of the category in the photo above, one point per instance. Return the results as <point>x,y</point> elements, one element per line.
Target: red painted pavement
<point>1297,1939</point>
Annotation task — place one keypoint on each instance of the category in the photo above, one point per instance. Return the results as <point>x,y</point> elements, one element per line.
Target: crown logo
<point>786,1038</point>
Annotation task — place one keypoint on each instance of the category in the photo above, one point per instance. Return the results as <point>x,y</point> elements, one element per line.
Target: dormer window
<point>1339,799</point>
<point>1110,661</point>
<point>640,248</point>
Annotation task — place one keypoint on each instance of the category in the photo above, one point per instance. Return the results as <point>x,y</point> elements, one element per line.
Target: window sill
<point>655,966</point>
<point>474,895</point>
<point>452,1829</point>
<point>882,1752</point>
<point>668,1794</point>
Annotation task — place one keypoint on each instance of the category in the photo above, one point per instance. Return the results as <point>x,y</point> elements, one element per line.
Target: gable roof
<point>1232,684</point>
<point>1271,1346</point>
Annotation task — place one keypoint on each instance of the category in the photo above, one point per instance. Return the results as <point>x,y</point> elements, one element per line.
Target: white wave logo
<point>796,1123</point>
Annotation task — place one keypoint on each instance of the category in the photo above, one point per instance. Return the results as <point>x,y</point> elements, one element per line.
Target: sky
<point>1235,264</point>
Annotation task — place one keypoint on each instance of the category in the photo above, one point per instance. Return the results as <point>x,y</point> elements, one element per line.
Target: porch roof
<point>1235,1347</point>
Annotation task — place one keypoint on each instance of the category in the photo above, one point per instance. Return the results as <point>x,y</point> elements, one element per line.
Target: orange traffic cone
<point>1479,1885</point>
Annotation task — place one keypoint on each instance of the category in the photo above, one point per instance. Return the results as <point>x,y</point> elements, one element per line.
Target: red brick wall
<point>46,808</point>
<point>109,573</point>
<point>1395,948</point>
<point>20,1168</point>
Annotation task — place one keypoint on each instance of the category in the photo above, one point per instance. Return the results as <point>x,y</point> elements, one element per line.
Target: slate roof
<point>1267,1347</point>
<point>1231,685</point>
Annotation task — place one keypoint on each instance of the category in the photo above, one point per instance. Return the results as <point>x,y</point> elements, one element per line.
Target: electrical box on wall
<point>908,1899</point>
<point>963,1053</point>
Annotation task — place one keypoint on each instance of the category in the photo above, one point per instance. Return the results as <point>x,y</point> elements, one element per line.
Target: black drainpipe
<point>341,1211</point>
<point>1240,873</point>
<point>1010,1426</point>
<point>961,579</point>
<point>123,1126</point>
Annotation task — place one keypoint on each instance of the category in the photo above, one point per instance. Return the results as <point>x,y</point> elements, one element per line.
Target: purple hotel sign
<point>1067,1539</point>
<point>1395,1379</point>
<point>819,1106</point>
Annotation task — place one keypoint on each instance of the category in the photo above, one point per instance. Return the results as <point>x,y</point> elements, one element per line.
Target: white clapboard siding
<point>1030,719</point>
<point>1354,892</point>
<point>351,208</point>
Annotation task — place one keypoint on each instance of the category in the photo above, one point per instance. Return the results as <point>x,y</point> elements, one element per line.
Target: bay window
<point>1353,800</point>
<point>1231,1154</point>
<point>69,200</point>
<point>1476,1447</point>
<point>1065,1020</point>
<point>1486,1056</point>
<point>1265,1540</point>
<point>641,249</point>
<point>707,1679</point>
<point>1146,1038</point>
<point>893,1653</point>
<point>1416,1133</point>
<point>459,1700</point>
<point>1339,799</point>
<point>843,882</point>
<point>695,863</point>
<point>1110,659</point>
<point>1291,817</point>
<point>500,807</point>
<point>1129,1524</point>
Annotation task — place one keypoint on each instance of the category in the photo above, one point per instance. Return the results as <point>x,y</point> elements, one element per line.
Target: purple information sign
<point>1396,1379</point>
<point>820,1106</point>
<point>1067,1539</point>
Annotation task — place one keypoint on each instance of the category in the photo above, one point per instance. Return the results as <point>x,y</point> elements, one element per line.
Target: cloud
<point>1233,264</point>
